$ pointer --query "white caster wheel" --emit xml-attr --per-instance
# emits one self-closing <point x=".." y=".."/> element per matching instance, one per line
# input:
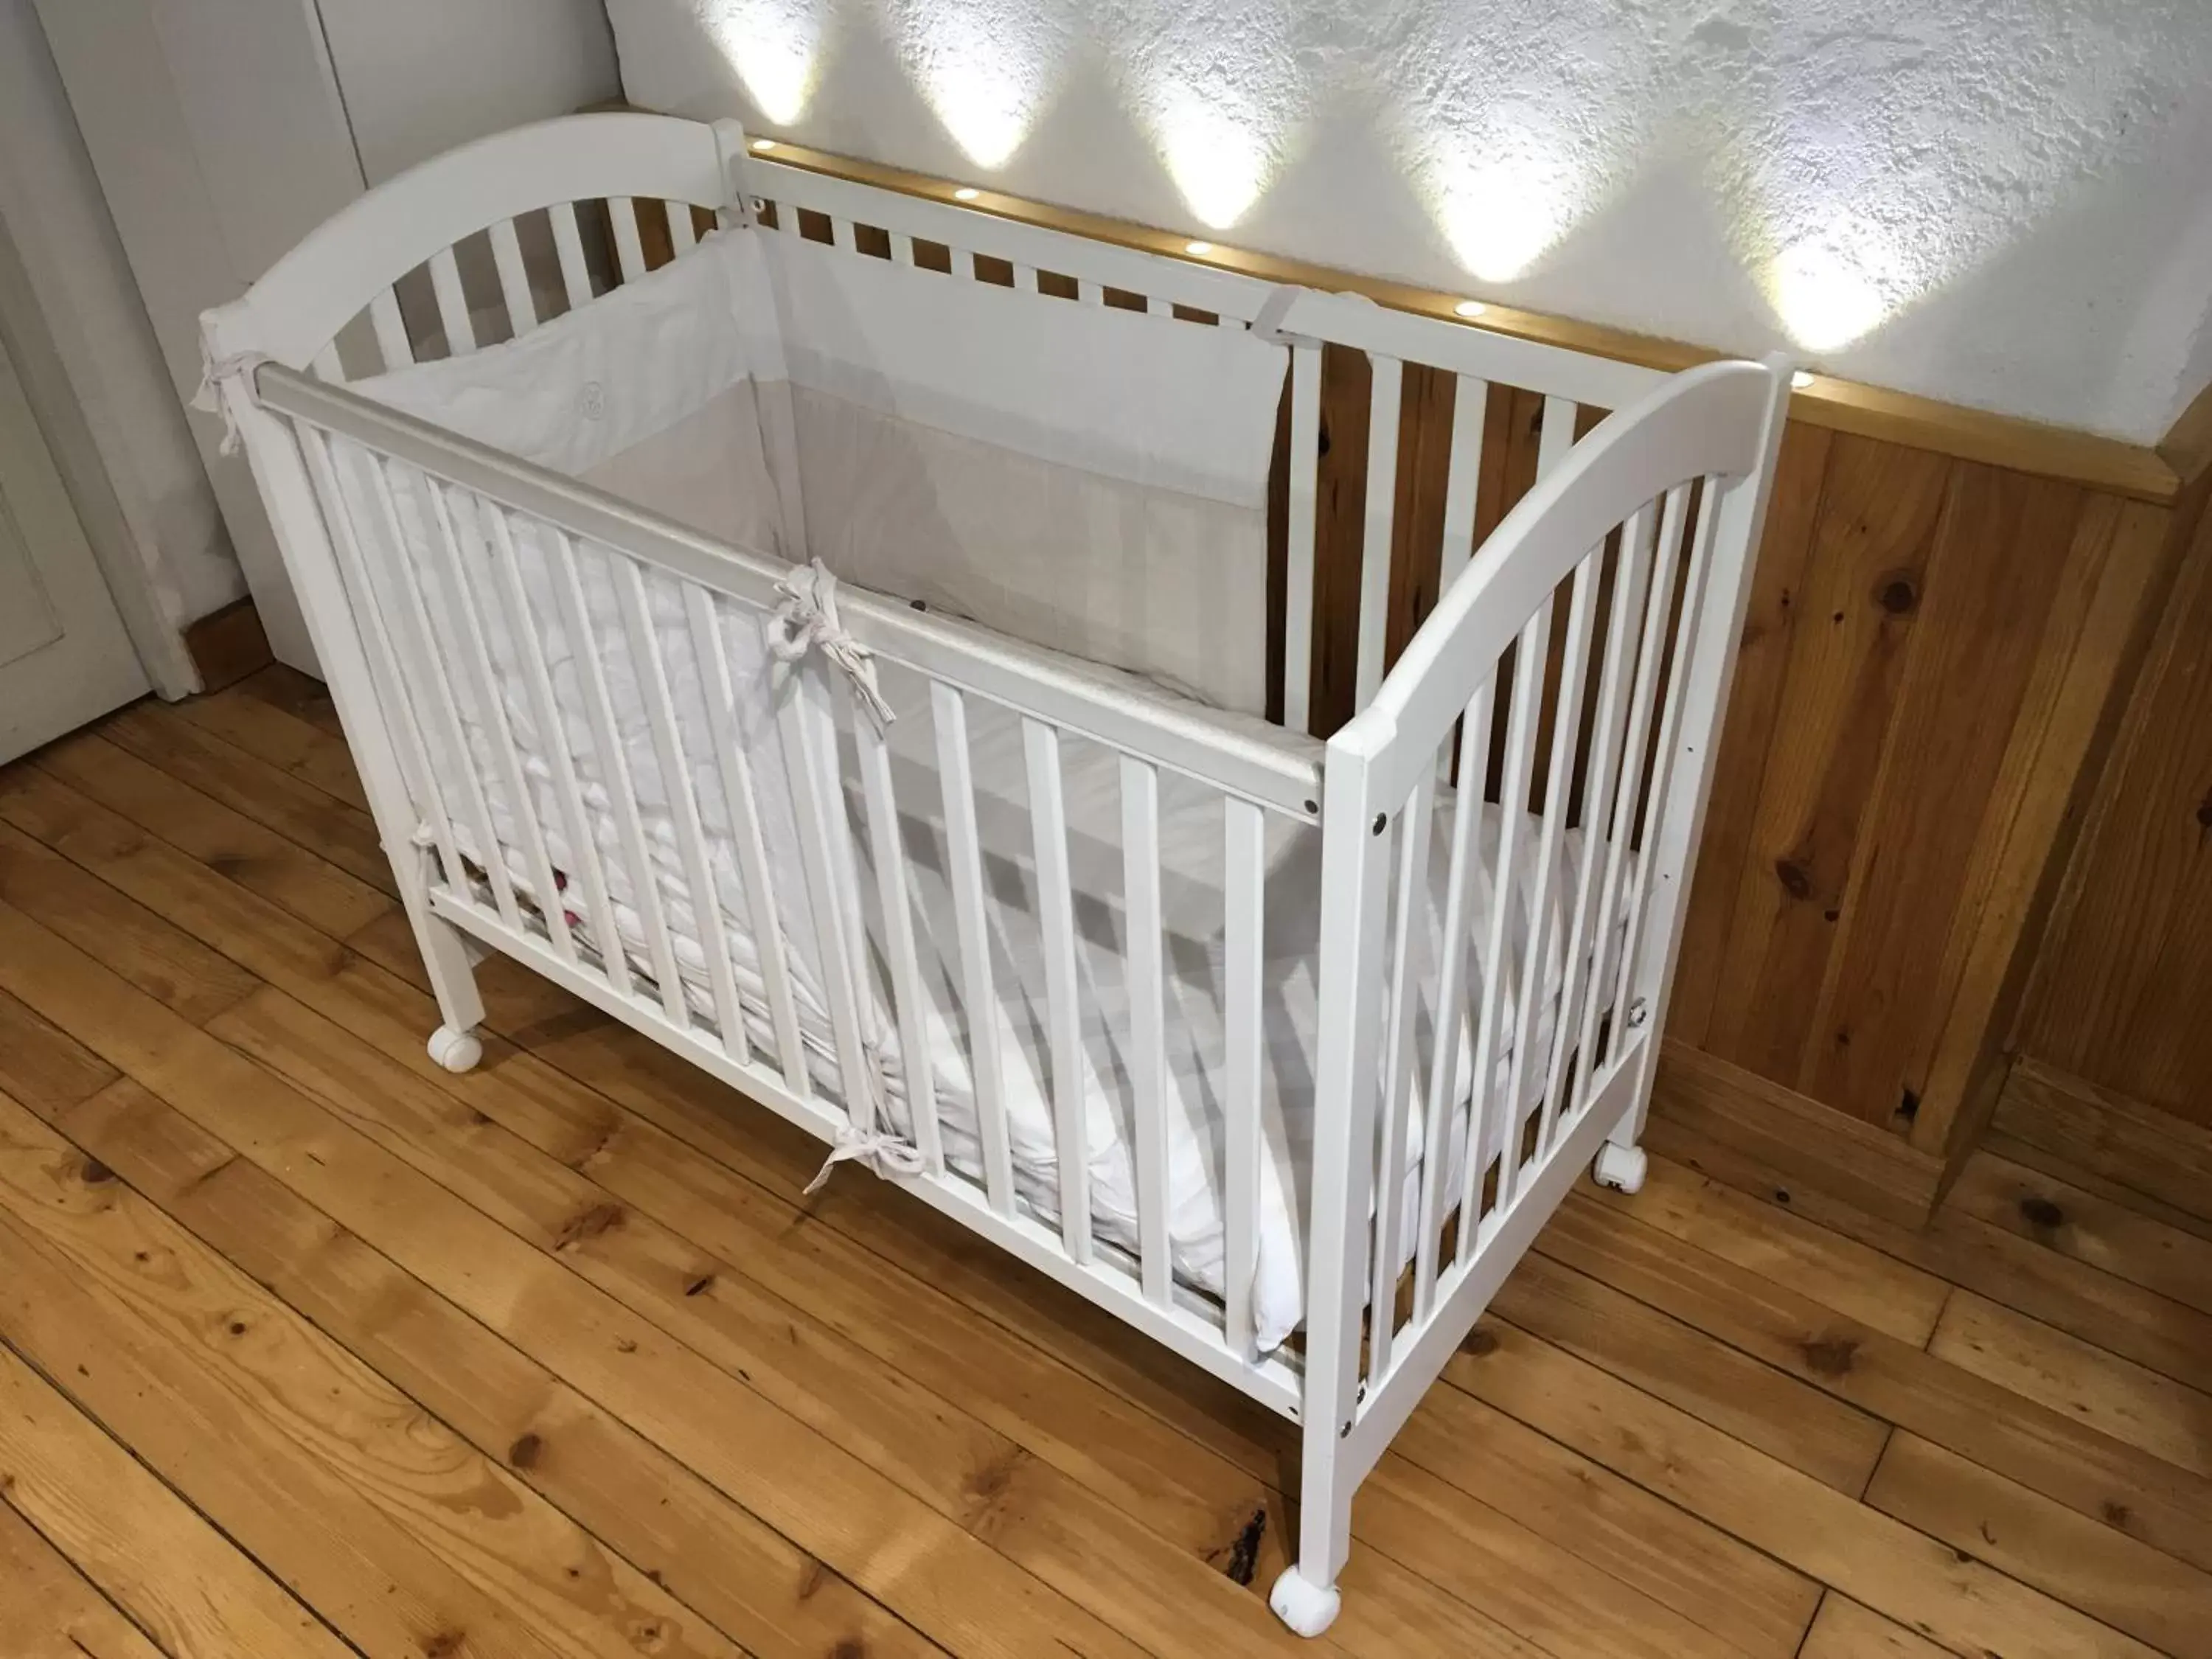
<point x="1620" y="1168"/>
<point x="1306" y="1607"/>
<point x="457" y="1051"/>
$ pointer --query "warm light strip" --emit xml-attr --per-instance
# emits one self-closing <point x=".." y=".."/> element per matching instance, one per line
<point x="2088" y="458"/>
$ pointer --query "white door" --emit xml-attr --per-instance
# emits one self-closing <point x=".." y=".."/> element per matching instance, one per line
<point x="64" y="658"/>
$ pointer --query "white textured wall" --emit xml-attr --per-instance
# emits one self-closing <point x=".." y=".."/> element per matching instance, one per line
<point x="2003" y="202"/>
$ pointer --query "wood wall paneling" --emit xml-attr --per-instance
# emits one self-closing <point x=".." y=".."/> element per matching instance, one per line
<point x="2125" y="973"/>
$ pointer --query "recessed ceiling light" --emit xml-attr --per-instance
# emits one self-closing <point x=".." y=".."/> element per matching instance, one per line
<point x="966" y="193"/>
<point x="1801" y="380"/>
<point x="764" y="143"/>
<point x="1470" y="308"/>
<point x="1197" y="247"/>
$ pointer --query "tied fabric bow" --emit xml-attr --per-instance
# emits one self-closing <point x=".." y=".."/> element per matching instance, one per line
<point x="208" y="399"/>
<point x="808" y="619"/>
<point x="882" y="1151"/>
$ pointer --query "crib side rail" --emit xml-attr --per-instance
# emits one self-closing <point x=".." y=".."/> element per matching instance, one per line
<point x="1567" y="691"/>
<point x="462" y="597"/>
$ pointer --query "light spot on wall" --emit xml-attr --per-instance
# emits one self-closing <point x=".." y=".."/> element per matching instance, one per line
<point x="775" y="46"/>
<point x="1218" y="90"/>
<point x="1829" y="287"/>
<point x="987" y="68"/>
<point x="1514" y="123"/>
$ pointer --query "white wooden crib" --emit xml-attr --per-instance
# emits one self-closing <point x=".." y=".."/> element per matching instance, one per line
<point x="476" y="616"/>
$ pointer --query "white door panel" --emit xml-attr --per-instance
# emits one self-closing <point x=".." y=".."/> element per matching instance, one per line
<point x="64" y="658"/>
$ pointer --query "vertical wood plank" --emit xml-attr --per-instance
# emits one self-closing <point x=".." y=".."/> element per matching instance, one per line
<point x="1386" y="382"/>
<point x="1995" y="567"/>
<point x="1298" y="564"/>
<point x="1776" y="616"/>
<point x="1878" y="512"/>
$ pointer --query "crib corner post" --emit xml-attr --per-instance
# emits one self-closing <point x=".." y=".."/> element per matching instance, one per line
<point x="1355" y="864"/>
<point x="297" y="515"/>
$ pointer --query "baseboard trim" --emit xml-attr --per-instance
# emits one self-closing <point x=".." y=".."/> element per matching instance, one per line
<point x="227" y="645"/>
<point x="1778" y="1139"/>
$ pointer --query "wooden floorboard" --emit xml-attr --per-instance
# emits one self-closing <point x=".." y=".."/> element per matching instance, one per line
<point x="1708" y="1419"/>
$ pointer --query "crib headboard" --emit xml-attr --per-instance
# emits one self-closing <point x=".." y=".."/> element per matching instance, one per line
<point x="468" y="208"/>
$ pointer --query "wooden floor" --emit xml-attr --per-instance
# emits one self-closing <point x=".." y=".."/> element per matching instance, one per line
<point x="307" y="1348"/>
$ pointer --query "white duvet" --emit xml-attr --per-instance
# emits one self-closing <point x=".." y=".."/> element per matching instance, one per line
<point x="653" y="391"/>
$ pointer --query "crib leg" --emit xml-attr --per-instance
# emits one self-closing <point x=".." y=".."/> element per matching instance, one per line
<point x="1621" y="1162"/>
<point x="448" y="959"/>
<point x="1305" y="1597"/>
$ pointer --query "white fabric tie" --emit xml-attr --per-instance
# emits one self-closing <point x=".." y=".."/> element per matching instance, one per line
<point x="208" y="399"/>
<point x="808" y="618"/>
<point x="881" y="1151"/>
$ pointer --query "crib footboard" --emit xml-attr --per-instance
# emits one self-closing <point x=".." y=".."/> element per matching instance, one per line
<point x="1574" y="677"/>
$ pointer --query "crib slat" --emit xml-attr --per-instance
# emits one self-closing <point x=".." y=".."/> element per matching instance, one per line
<point x="1501" y="972"/>
<point x="569" y="247"/>
<point x="786" y="218"/>
<point x="553" y="743"/>
<point x="1556" y="435"/>
<point x="731" y="759"/>
<point x="1025" y="278"/>
<point x="902" y="248"/>
<point x="1586" y="942"/>
<point x="1090" y="293"/>
<point x="964" y="262"/>
<point x="840" y="233"/>
<point x="462" y="605"/>
<point x="373" y="608"/>
<point x="586" y="648"/>
<point x="1148" y="1056"/>
<point x="426" y="676"/>
<point x="840" y="711"/>
<point x="888" y="848"/>
<point x="1244" y="872"/>
<point x="949" y="711"/>
<point x="390" y="329"/>
<point x="1658" y="593"/>
<point x="629" y="252"/>
<point x="1298" y="576"/>
<point x="1527" y="1064"/>
<point x="1056" y="913"/>
<point x="808" y="725"/>
<point x="1408" y="969"/>
<point x="683" y="234"/>
<point x="514" y="279"/>
<point x="1701" y="542"/>
<point x="327" y="366"/>
<point x="452" y="304"/>
<point x="1157" y="307"/>
<point x="1470" y="407"/>
<point x="652" y="671"/>
<point x="1375" y="549"/>
<point x="1451" y="998"/>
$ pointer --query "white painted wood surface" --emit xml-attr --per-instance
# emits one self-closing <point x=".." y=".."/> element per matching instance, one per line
<point x="1372" y="789"/>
